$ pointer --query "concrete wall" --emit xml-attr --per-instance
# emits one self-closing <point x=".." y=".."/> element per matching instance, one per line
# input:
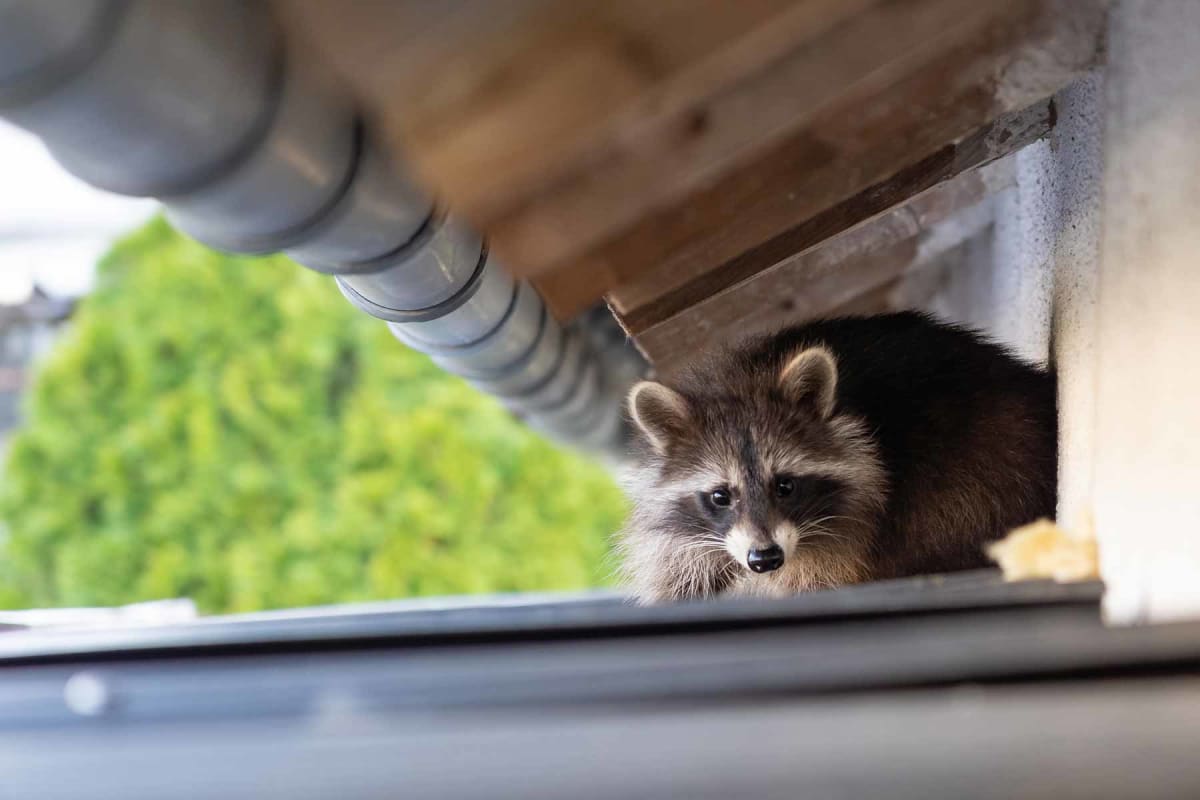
<point x="1146" y="492"/>
<point x="1046" y="257"/>
<point x="1093" y="264"/>
<point x="1030" y="282"/>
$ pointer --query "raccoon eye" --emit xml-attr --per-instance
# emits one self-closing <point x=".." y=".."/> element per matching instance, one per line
<point x="784" y="486"/>
<point x="721" y="498"/>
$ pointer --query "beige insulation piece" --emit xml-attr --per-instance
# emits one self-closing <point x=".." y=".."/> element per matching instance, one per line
<point x="1044" y="550"/>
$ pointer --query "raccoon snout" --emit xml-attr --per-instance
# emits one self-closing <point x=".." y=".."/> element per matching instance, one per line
<point x="766" y="559"/>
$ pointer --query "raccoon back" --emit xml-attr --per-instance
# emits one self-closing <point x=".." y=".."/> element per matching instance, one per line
<point x="967" y="432"/>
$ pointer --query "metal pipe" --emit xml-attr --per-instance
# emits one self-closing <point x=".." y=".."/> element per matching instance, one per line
<point x="252" y="149"/>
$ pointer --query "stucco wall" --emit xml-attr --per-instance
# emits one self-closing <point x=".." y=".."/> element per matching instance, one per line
<point x="1093" y="262"/>
<point x="1146" y="492"/>
<point x="1031" y="280"/>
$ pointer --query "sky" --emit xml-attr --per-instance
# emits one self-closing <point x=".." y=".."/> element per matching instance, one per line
<point x="53" y="227"/>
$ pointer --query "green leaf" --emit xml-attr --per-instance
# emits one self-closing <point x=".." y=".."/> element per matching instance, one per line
<point x="231" y="430"/>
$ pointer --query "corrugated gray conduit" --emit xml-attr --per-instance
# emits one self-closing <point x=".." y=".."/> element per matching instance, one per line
<point x="253" y="150"/>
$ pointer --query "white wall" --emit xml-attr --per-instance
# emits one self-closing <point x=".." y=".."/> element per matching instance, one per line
<point x="1093" y="262"/>
<point x="1146" y="492"/>
<point x="1031" y="281"/>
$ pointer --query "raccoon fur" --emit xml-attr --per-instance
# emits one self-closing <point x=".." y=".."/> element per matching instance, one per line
<point x="839" y="451"/>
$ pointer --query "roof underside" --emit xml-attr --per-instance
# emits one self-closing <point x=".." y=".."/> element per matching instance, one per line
<point x="703" y="165"/>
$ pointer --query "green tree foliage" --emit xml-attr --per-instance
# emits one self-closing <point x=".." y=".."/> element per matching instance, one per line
<point x="230" y="430"/>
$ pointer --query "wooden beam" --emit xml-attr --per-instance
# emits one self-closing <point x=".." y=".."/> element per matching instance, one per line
<point x="607" y="135"/>
<point x="497" y="102"/>
<point x="834" y="276"/>
<point x="658" y="297"/>
<point x="876" y="301"/>
<point x="852" y="146"/>
<point x="698" y="128"/>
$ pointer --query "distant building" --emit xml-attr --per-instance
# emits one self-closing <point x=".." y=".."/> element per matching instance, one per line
<point x="27" y="330"/>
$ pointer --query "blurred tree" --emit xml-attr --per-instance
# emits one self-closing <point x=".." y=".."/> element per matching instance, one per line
<point x="230" y="430"/>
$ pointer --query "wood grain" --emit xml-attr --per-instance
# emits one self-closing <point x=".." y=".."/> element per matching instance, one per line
<point x="496" y="101"/>
<point x="848" y="273"/>
<point x="997" y="139"/>
<point x="639" y="149"/>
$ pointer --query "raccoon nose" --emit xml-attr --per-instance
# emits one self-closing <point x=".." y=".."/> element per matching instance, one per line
<point x="765" y="559"/>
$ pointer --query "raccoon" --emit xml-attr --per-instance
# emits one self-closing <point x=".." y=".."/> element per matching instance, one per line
<point x="840" y="451"/>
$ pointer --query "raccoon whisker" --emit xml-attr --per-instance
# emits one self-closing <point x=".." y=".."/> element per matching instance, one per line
<point x="709" y="536"/>
<point x="823" y="520"/>
<point x="817" y="527"/>
<point x="706" y="549"/>
<point x="837" y="539"/>
<point x="812" y="534"/>
<point x="713" y="531"/>
<point x="805" y="530"/>
<point x="705" y="541"/>
<point x="816" y="524"/>
<point x="699" y="542"/>
<point x="697" y="545"/>
<point x="701" y="546"/>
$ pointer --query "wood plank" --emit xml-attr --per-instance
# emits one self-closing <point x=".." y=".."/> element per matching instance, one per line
<point x="659" y="303"/>
<point x="615" y="139"/>
<point x="557" y="125"/>
<point x="737" y="251"/>
<point x="701" y="126"/>
<point x="835" y="276"/>
<point x="493" y="101"/>
<point x="873" y="134"/>
<point x="875" y="301"/>
<point x="760" y="303"/>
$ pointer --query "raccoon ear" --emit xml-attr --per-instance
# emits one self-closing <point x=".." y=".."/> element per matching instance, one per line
<point x="659" y="412"/>
<point x="811" y="376"/>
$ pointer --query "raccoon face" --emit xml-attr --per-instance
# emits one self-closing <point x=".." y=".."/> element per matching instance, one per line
<point x="760" y="488"/>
